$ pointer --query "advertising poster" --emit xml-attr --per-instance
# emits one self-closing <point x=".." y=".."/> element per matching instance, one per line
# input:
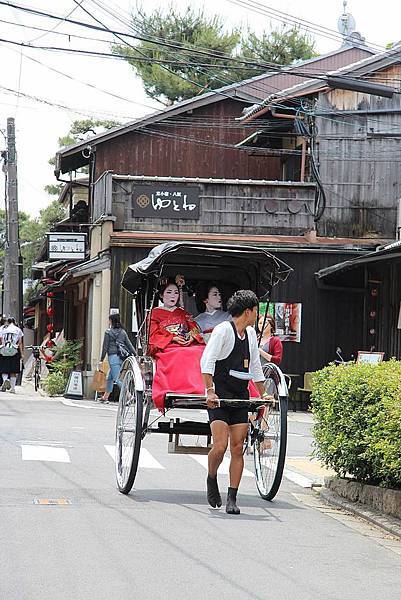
<point x="288" y="319"/>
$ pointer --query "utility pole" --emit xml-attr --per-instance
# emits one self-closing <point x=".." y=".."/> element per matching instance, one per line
<point x="12" y="263"/>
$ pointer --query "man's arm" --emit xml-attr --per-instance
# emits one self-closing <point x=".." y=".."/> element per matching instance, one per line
<point x="216" y="349"/>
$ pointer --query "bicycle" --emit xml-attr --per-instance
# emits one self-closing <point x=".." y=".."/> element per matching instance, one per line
<point x="38" y="365"/>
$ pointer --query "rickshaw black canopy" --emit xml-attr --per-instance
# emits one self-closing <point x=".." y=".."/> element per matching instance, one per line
<point x="246" y="267"/>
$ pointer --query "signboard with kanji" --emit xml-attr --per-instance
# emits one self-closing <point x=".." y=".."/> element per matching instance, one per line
<point x="165" y="201"/>
<point x="66" y="246"/>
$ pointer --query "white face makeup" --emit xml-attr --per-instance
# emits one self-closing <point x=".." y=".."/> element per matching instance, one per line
<point x="170" y="296"/>
<point x="213" y="301"/>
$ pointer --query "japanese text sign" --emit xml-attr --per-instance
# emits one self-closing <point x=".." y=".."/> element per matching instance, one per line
<point x="165" y="201"/>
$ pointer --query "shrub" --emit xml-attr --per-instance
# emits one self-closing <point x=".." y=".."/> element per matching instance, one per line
<point x="55" y="383"/>
<point x="67" y="356"/>
<point x="358" y="421"/>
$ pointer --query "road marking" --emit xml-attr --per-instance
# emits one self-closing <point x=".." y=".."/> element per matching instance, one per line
<point x="45" y="453"/>
<point x="146" y="460"/>
<point x="223" y="469"/>
<point x="52" y="501"/>
<point x="297" y="478"/>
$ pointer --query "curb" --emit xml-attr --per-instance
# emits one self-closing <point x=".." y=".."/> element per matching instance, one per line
<point x="389" y="524"/>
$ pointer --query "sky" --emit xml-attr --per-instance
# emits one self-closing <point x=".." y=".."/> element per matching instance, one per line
<point x="39" y="124"/>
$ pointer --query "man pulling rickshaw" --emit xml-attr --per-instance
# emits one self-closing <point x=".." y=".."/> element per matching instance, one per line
<point x="229" y="362"/>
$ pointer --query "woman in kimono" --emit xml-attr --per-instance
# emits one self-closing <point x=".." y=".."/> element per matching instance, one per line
<point x="176" y="343"/>
<point x="210" y="305"/>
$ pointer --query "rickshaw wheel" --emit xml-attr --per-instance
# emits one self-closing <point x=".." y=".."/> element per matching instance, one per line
<point x="128" y="433"/>
<point x="270" y="448"/>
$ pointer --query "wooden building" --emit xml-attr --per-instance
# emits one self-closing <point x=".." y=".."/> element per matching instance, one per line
<point x="374" y="281"/>
<point x="198" y="137"/>
<point x="140" y="174"/>
<point x="354" y="139"/>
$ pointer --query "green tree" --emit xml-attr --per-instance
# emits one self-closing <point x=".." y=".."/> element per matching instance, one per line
<point x="279" y="46"/>
<point x="80" y="130"/>
<point x="177" y="74"/>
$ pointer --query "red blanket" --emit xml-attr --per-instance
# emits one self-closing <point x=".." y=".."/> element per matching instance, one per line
<point x="177" y="370"/>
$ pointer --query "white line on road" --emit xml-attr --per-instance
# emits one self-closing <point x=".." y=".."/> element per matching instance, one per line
<point x="223" y="469"/>
<point x="146" y="460"/>
<point x="297" y="478"/>
<point x="44" y="453"/>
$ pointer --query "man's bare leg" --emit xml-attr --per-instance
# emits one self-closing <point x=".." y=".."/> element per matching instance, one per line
<point x="220" y="441"/>
<point x="238" y="434"/>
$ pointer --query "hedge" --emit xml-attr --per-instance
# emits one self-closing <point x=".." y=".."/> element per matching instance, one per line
<point x="357" y="430"/>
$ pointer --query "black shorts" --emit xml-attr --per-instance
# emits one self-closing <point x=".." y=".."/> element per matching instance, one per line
<point x="228" y="414"/>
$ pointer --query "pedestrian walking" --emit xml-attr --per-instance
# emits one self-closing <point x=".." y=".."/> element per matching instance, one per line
<point x="117" y="347"/>
<point x="230" y="361"/>
<point x="271" y="347"/>
<point x="11" y="351"/>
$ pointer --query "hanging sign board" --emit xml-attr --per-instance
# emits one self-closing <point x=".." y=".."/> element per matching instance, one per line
<point x="74" y="388"/>
<point x="165" y="201"/>
<point x="66" y="246"/>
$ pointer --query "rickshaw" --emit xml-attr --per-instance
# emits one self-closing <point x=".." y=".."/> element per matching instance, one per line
<point x="236" y="267"/>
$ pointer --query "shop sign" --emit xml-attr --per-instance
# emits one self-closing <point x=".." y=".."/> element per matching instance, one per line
<point x="66" y="246"/>
<point x="74" y="388"/>
<point x="165" y="202"/>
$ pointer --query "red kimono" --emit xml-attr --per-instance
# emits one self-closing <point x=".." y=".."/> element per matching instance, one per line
<point x="177" y="367"/>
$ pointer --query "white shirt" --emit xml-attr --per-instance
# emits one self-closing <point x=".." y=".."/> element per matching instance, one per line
<point x="11" y="333"/>
<point x="221" y="344"/>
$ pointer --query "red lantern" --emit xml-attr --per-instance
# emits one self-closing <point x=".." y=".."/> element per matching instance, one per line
<point x="50" y="311"/>
<point x="50" y="327"/>
<point x="50" y="294"/>
<point x="50" y="344"/>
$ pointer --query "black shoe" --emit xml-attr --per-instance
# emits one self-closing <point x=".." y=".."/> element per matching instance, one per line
<point x="231" y="506"/>
<point x="213" y="494"/>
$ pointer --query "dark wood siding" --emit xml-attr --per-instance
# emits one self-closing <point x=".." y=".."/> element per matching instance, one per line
<point x="195" y="144"/>
<point x="386" y="279"/>
<point x="225" y="207"/>
<point x="329" y="318"/>
<point x="359" y="154"/>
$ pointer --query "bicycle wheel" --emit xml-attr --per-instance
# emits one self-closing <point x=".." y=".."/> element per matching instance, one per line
<point x="270" y="448"/>
<point x="128" y="433"/>
<point x="36" y="379"/>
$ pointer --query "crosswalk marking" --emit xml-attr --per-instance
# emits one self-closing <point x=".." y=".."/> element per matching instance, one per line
<point x="146" y="460"/>
<point x="223" y="469"/>
<point x="44" y="453"/>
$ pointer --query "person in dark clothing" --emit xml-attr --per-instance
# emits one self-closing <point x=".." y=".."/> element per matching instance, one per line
<point x="230" y="360"/>
<point x="113" y="337"/>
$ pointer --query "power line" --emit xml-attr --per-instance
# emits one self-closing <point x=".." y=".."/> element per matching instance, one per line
<point x="58" y="105"/>
<point x="215" y="55"/>
<point x="286" y="18"/>
<point x="86" y="83"/>
<point x="57" y="24"/>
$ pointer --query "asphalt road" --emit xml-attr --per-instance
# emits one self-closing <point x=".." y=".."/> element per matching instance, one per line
<point x="66" y="533"/>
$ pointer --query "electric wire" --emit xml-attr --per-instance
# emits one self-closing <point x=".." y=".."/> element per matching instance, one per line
<point x="286" y="18"/>
<point x="57" y="24"/>
<point x="216" y="55"/>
